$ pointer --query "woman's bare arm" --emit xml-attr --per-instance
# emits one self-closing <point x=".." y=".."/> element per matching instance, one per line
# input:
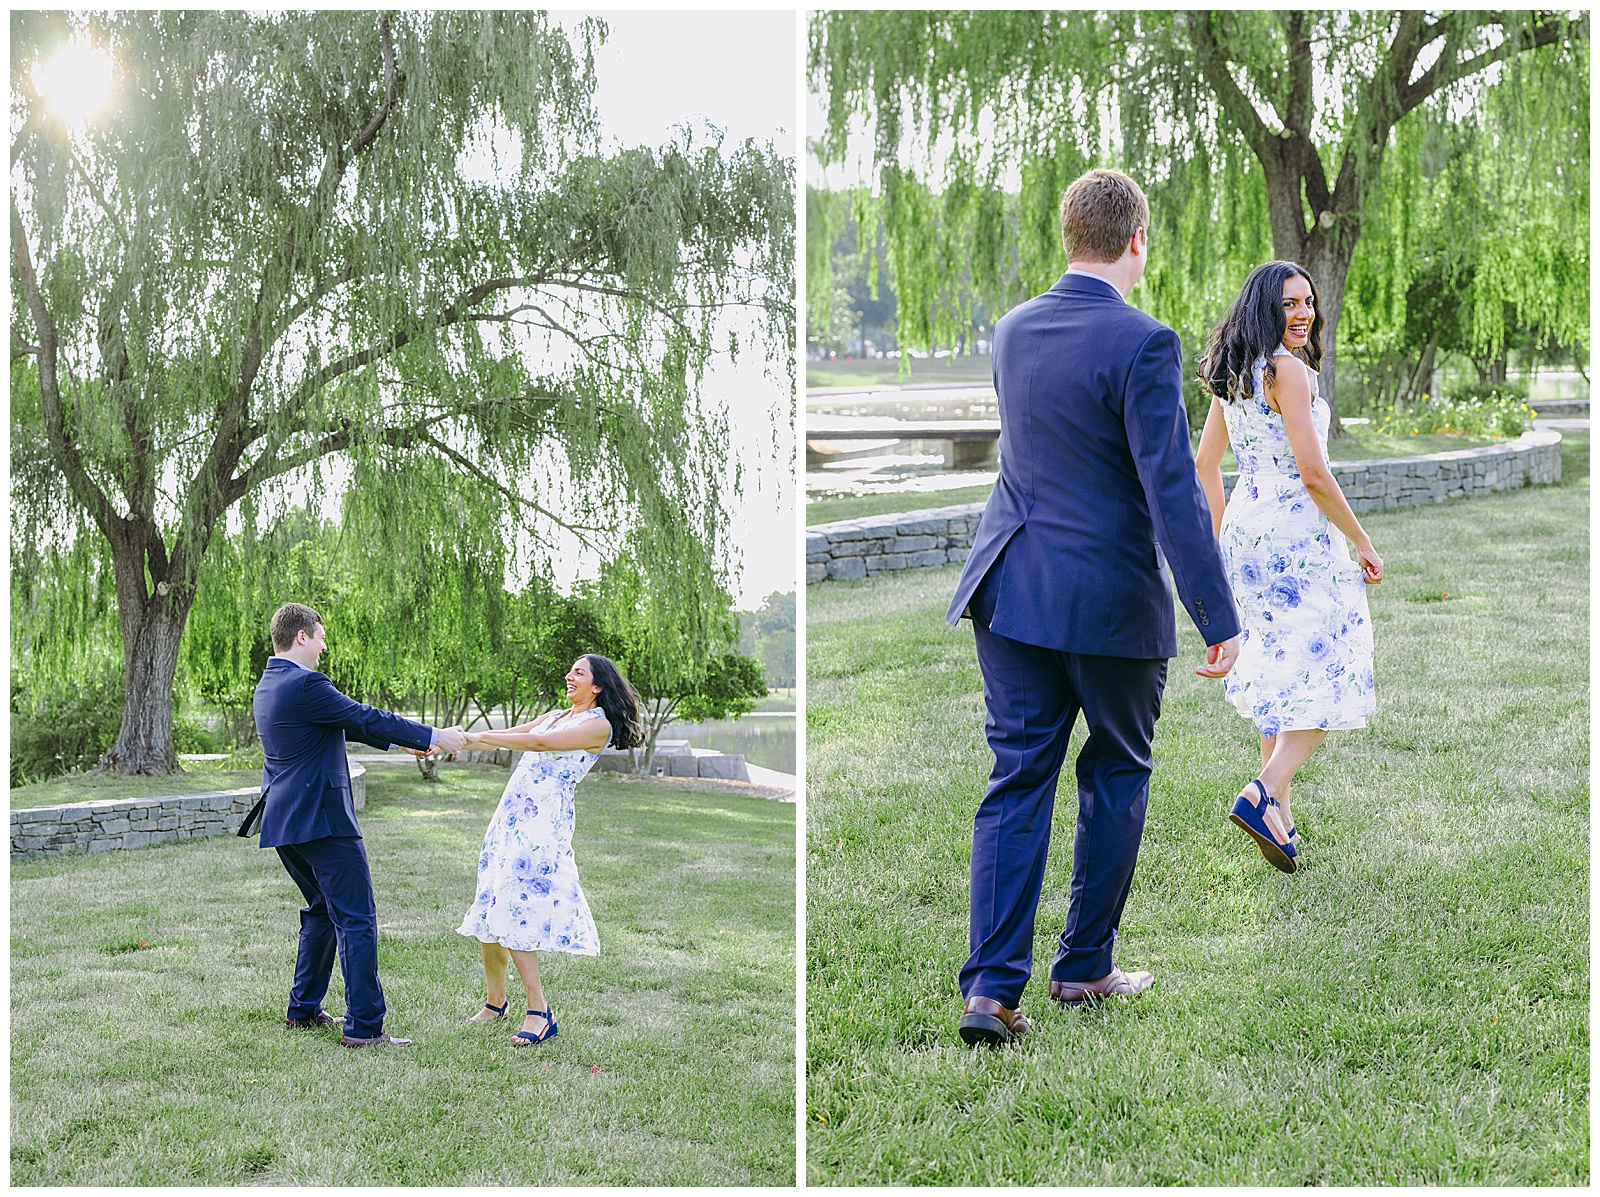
<point x="1208" y="462"/>
<point x="591" y="735"/>
<point x="1290" y="393"/>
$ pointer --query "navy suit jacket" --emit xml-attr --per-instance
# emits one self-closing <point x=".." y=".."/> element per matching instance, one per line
<point x="302" y="721"/>
<point x="1095" y="472"/>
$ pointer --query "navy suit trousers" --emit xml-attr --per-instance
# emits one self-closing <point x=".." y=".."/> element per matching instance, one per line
<point x="1034" y="696"/>
<point x="340" y="911"/>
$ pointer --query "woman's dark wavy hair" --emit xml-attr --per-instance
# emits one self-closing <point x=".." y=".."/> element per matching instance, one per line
<point x="618" y="700"/>
<point x="1254" y="328"/>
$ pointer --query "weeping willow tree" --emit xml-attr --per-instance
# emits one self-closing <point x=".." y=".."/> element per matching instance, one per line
<point x="1254" y="134"/>
<point x="297" y="248"/>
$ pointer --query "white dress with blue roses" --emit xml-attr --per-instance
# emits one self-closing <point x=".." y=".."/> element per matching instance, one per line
<point x="528" y="894"/>
<point x="1305" y="652"/>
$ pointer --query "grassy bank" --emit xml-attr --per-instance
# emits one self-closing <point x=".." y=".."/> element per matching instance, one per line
<point x="1412" y="1007"/>
<point x="148" y="991"/>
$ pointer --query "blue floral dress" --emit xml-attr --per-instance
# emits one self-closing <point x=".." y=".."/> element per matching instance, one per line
<point x="1305" y="652"/>
<point x="528" y="894"/>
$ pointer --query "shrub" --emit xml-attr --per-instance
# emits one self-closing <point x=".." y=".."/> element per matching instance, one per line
<point x="56" y="733"/>
<point x="1495" y="409"/>
<point x="53" y="734"/>
<point x="191" y="735"/>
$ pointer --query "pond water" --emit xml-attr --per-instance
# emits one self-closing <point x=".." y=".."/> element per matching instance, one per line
<point x="890" y="466"/>
<point x="765" y="738"/>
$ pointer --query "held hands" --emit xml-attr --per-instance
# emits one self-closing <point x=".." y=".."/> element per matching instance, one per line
<point x="449" y="739"/>
<point x="1371" y="564"/>
<point x="1220" y="658"/>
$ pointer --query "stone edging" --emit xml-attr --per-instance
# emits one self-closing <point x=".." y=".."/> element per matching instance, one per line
<point x="110" y="825"/>
<point x="876" y="544"/>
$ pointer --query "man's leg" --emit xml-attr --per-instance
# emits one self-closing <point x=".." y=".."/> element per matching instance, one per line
<point x="340" y="865"/>
<point x="1121" y="700"/>
<point x="314" y="962"/>
<point x="1031" y="711"/>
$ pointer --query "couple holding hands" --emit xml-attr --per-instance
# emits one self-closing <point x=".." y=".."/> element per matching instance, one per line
<point x="1099" y="508"/>
<point x="528" y="898"/>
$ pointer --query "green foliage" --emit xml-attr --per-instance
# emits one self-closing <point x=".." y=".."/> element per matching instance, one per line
<point x="728" y="686"/>
<point x="769" y="636"/>
<point x="301" y="248"/>
<point x="1493" y="409"/>
<point x="653" y="639"/>
<point x="63" y="730"/>
<point x="1371" y="163"/>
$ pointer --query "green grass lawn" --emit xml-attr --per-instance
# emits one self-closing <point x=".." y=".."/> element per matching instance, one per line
<point x="954" y="371"/>
<point x="148" y="991"/>
<point x="1410" y="1008"/>
<point x="1357" y="444"/>
<point x="101" y="787"/>
<point x="825" y="511"/>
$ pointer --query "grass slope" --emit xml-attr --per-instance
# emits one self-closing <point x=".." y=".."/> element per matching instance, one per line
<point x="148" y="991"/>
<point x="1410" y="1008"/>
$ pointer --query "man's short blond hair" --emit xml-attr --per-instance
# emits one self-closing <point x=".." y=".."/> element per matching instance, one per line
<point x="289" y="621"/>
<point x="1099" y="215"/>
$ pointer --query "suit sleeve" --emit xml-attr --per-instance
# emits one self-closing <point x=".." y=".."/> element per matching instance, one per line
<point x="323" y="704"/>
<point x="1158" y="435"/>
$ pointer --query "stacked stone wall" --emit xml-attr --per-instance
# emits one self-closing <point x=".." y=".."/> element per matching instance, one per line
<point x="877" y="544"/>
<point x="105" y="826"/>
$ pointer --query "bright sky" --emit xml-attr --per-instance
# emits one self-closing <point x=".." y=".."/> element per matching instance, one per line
<point x="735" y="70"/>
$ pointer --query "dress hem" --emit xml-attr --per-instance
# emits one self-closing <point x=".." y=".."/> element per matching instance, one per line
<point x="537" y="947"/>
<point x="1359" y="723"/>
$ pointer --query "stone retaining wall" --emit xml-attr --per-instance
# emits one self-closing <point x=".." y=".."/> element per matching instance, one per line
<point x="877" y="544"/>
<point x="106" y="826"/>
<point x="1560" y="408"/>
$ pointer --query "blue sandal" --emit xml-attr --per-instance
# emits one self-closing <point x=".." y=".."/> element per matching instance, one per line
<point x="527" y="1038"/>
<point x="1251" y="819"/>
<point x="499" y="1013"/>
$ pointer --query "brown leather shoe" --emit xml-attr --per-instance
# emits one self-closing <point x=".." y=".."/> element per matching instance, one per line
<point x="1116" y="983"/>
<point x="320" y="1019"/>
<point x="383" y="1038"/>
<point x="987" y="1021"/>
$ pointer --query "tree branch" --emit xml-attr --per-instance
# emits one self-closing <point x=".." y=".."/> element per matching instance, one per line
<point x="1447" y="69"/>
<point x="1214" y="66"/>
<point x="61" y="445"/>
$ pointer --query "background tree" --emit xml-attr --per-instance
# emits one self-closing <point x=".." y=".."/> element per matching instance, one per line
<point x="649" y="635"/>
<point x="298" y="246"/>
<point x="768" y="635"/>
<point x="1255" y="134"/>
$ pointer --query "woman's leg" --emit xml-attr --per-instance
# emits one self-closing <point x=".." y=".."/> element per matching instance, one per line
<point x="1290" y="750"/>
<point x="528" y="968"/>
<point x="1267" y="744"/>
<point x="495" y="959"/>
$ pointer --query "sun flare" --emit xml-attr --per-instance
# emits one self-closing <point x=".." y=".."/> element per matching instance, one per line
<point x="75" y="81"/>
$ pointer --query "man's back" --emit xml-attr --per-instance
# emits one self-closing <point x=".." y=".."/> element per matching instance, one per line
<point x="305" y="775"/>
<point x="1093" y="437"/>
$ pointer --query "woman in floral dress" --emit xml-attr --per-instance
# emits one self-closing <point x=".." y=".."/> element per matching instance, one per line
<point x="1305" y="654"/>
<point x="528" y="897"/>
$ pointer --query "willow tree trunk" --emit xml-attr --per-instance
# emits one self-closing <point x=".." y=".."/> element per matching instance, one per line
<point x="1329" y="268"/>
<point x="152" y="628"/>
<point x="1325" y="249"/>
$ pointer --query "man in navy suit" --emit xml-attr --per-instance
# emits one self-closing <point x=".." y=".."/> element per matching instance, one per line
<point x="307" y="815"/>
<point x="1067" y="586"/>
